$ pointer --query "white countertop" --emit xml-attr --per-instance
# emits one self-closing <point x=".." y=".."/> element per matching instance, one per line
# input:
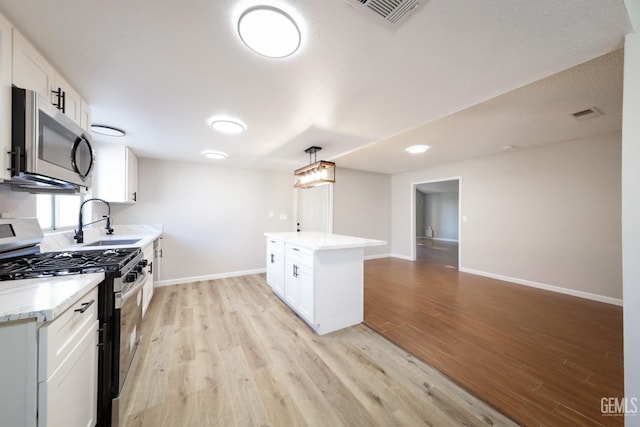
<point x="324" y="241"/>
<point x="63" y="241"/>
<point x="43" y="298"/>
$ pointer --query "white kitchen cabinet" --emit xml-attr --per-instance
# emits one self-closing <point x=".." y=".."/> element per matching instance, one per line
<point x="147" y="289"/>
<point x="275" y="266"/>
<point x="6" y="61"/>
<point x="30" y="69"/>
<point x="72" y="99"/>
<point x="85" y="115"/>
<point x="116" y="173"/>
<point x="50" y="376"/>
<point x="323" y="278"/>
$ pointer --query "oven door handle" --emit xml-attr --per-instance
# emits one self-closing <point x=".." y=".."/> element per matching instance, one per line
<point x="127" y="293"/>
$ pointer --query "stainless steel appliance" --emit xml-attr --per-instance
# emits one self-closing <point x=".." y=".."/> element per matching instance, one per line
<point x="119" y="301"/>
<point x="49" y="151"/>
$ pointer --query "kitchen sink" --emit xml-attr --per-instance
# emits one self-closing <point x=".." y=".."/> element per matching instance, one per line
<point x="113" y="242"/>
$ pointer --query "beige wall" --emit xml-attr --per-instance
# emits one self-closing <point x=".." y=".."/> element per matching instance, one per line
<point x="214" y="217"/>
<point x="549" y="215"/>
<point x="361" y="207"/>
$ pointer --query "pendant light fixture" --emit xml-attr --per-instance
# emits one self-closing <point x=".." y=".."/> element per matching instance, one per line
<point x="316" y="173"/>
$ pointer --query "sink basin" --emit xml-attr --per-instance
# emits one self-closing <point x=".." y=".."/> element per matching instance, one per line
<point x="113" y="242"/>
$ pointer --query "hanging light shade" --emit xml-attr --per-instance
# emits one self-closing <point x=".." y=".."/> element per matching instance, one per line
<point x="317" y="173"/>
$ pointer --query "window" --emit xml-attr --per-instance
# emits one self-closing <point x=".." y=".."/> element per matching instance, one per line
<point x="56" y="212"/>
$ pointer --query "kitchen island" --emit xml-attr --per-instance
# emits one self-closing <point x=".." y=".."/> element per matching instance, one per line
<point x="320" y="276"/>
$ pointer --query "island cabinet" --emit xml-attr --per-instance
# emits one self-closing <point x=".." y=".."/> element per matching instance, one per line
<point x="320" y="276"/>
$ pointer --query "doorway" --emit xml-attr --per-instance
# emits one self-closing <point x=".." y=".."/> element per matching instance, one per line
<point x="436" y="223"/>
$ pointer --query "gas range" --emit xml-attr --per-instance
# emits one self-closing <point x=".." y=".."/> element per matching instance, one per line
<point x="111" y="261"/>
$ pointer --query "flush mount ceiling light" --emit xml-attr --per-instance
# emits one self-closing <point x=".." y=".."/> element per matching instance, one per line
<point x="317" y="173"/>
<point x="417" y="149"/>
<point x="269" y="32"/>
<point x="107" y="130"/>
<point x="227" y="126"/>
<point x="215" y="155"/>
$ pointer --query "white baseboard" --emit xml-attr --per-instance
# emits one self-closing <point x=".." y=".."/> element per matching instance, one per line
<point x="405" y="257"/>
<point x="208" y="277"/>
<point x="546" y="287"/>
<point x="377" y="256"/>
<point x="445" y="240"/>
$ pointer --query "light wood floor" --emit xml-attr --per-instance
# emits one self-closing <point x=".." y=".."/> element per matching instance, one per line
<point x="540" y="357"/>
<point x="229" y="353"/>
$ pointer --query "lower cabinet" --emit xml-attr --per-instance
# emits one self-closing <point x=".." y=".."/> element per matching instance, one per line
<point x="50" y="376"/>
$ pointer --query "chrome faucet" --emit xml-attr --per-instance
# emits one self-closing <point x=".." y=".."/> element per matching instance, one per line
<point x="79" y="236"/>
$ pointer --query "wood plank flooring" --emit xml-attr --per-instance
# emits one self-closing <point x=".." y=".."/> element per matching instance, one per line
<point x="540" y="357"/>
<point x="228" y="352"/>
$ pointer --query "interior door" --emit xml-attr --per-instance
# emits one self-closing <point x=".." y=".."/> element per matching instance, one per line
<point x="314" y="209"/>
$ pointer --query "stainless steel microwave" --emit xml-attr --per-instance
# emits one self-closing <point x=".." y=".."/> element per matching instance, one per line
<point x="50" y="152"/>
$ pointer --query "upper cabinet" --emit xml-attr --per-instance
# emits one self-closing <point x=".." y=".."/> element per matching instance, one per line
<point x="115" y="178"/>
<point x="32" y="71"/>
<point x="5" y="97"/>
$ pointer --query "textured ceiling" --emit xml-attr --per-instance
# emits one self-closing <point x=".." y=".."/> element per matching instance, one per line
<point x="161" y="69"/>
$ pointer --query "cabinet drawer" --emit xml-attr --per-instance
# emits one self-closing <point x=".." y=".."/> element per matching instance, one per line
<point x="300" y="255"/>
<point x="59" y="338"/>
<point x="275" y="245"/>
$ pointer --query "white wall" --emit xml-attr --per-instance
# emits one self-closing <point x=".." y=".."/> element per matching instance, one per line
<point x="361" y="206"/>
<point x="441" y="214"/>
<point x="16" y="204"/>
<point x="549" y="215"/>
<point x="631" y="217"/>
<point x="214" y="217"/>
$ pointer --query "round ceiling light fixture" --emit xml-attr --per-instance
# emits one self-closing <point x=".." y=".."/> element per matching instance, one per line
<point x="215" y="155"/>
<point x="107" y="130"/>
<point x="227" y="126"/>
<point x="269" y="32"/>
<point x="417" y="149"/>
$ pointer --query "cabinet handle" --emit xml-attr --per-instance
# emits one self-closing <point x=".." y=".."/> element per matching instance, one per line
<point x="151" y="268"/>
<point x="295" y="270"/>
<point x="135" y="196"/>
<point x="272" y="259"/>
<point x="296" y="249"/>
<point x="85" y="306"/>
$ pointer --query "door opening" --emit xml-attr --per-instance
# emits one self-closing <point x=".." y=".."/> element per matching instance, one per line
<point x="436" y="223"/>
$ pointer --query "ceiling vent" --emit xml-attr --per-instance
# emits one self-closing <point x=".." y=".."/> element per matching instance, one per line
<point x="588" y="114"/>
<point x="390" y="12"/>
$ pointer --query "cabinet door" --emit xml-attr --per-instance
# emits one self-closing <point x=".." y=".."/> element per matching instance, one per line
<point x="69" y="397"/>
<point x="291" y="284"/>
<point x="275" y="272"/>
<point x="72" y="99"/>
<point x="85" y="115"/>
<point x="132" y="176"/>
<point x="306" y="298"/>
<point x="116" y="174"/>
<point x="5" y="97"/>
<point x="30" y="69"/>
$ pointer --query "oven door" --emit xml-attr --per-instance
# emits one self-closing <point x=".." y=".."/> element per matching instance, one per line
<point x="128" y="310"/>
<point x="127" y="320"/>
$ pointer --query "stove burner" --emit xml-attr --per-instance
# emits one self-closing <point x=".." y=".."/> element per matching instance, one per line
<point x="48" y="264"/>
